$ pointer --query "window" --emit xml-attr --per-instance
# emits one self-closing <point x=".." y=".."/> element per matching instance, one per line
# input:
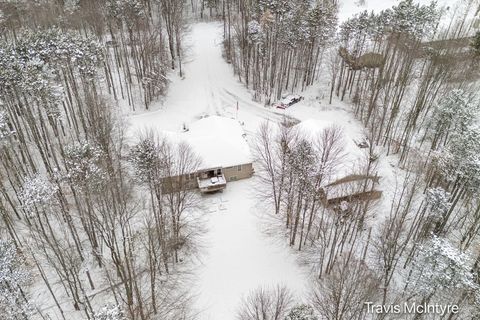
<point x="239" y="168"/>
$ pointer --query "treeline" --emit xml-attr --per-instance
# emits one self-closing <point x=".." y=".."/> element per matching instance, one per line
<point x="276" y="46"/>
<point x="417" y="244"/>
<point x="412" y="83"/>
<point x="74" y="217"/>
<point x="139" y="40"/>
<point x="420" y="102"/>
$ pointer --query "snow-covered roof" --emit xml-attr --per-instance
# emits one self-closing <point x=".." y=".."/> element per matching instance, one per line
<point x="219" y="141"/>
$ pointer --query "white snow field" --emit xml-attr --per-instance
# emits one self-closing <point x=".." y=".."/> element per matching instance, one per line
<point x="208" y="87"/>
<point x="238" y="256"/>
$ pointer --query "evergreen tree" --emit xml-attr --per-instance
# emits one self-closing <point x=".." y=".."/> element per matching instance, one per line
<point x="13" y="281"/>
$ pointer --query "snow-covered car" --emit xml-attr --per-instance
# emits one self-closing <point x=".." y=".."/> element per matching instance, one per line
<point x="287" y="101"/>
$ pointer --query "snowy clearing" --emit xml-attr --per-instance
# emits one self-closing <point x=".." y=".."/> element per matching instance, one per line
<point x="239" y="160"/>
<point x="209" y="88"/>
<point x="239" y="256"/>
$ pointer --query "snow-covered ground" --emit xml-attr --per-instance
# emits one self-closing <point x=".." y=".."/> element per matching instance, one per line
<point x="238" y="257"/>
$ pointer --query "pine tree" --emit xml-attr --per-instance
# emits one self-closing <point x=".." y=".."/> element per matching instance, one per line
<point x="14" y="280"/>
<point x="440" y="269"/>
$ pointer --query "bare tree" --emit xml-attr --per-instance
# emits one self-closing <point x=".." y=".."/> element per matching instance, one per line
<point x="395" y="233"/>
<point x="343" y="293"/>
<point x="271" y="149"/>
<point x="266" y="304"/>
<point x="333" y="68"/>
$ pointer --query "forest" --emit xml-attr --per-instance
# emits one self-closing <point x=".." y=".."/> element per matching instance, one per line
<point x="94" y="227"/>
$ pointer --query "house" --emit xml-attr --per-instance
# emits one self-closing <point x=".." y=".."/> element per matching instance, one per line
<point x="221" y="144"/>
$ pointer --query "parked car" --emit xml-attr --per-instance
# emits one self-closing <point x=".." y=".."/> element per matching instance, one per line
<point x="287" y="101"/>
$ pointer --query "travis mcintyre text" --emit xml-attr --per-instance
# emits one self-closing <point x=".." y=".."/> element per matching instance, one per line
<point x="412" y="307"/>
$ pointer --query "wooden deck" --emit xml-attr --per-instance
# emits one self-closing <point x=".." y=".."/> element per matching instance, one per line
<point x="212" y="184"/>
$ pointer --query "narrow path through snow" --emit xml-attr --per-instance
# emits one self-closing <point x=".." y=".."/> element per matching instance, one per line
<point x="208" y="87"/>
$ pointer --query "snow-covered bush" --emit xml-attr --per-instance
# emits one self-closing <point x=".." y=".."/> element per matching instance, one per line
<point x="110" y="313"/>
<point x="83" y="163"/>
<point x="5" y="130"/>
<point x="38" y="191"/>
<point x="13" y="279"/>
<point x="301" y="312"/>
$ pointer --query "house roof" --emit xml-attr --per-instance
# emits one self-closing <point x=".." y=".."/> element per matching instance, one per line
<point x="218" y="141"/>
